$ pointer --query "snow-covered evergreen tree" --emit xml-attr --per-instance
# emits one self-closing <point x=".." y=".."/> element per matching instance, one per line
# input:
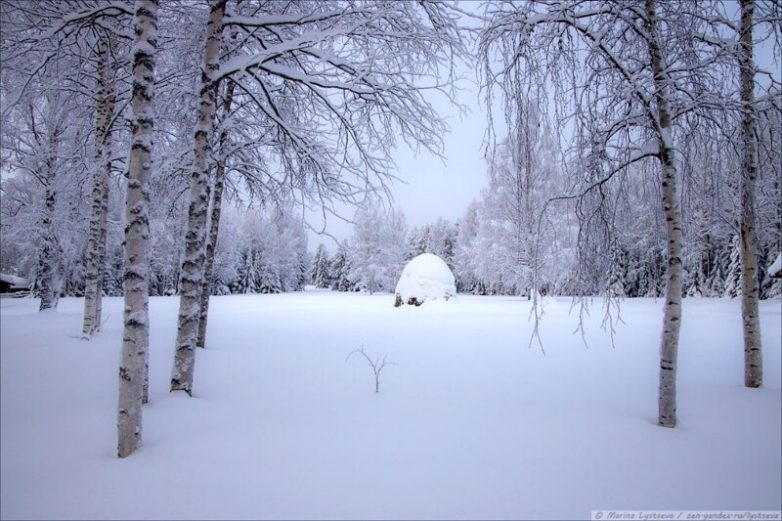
<point x="418" y="242"/>
<point x="617" y="272"/>
<point x="319" y="273"/>
<point x="732" y="285"/>
<point x="339" y="269"/>
<point x="266" y="253"/>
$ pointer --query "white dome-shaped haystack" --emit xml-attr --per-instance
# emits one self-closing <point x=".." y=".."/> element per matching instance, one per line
<point x="426" y="277"/>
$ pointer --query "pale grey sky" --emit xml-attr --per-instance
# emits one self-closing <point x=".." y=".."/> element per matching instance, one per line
<point x="432" y="187"/>
<point x="429" y="187"/>
<point x="444" y="189"/>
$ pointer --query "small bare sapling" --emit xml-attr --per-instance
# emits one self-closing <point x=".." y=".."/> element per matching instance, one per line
<point x="377" y="365"/>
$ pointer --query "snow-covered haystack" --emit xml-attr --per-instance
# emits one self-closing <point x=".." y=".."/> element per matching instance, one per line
<point x="426" y="277"/>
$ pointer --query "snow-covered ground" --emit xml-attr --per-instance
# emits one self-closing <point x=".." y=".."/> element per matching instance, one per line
<point x="470" y="423"/>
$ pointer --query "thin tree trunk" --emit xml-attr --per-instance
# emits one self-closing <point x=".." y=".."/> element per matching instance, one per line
<point x="753" y="361"/>
<point x="192" y="274"/>
<point x="135" y="339"/>
<point x="214" y="223"/>
<point x="102" y="255"/>
<point x="49" y="256"/>
<point x="45" y="285"/>
<point x="672" y="309"/>
<point x="96" y="242"/>
<point x="47" y="259"/>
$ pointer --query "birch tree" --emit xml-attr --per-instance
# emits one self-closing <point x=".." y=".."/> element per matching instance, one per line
<point x="618" y="68"/>
<point x="47" y="34"/>
<point x="135" y="341"/>
<point x="753" y="362"/>
<point x="214" y="220"/>
<point x="48" y="140"/>
<point x="192" y="274"/>
<point x="96" y="244"/>
<point x="41" y="195"/>
<point x="38" y="144"/>
<point x="337" y="83"/>
<point x="36" y="131"/>
<point x="733" y="44"/>
<point x="522" y="166"/>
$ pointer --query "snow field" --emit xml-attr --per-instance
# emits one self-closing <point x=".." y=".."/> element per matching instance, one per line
<point x="471" y="423"/>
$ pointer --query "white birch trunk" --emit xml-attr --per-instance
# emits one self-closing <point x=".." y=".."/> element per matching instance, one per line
<point x="46" y="285"/>
<point x="753" y="361"/>
<point x="214" y="223"/>
<point x="47" y="259"/>
<point x="96" y="242"/>
<point x="672" y="308"/>
<point x="192" y="274"/>
<point x="102" y="252"/>
<point x="136" y="332"/>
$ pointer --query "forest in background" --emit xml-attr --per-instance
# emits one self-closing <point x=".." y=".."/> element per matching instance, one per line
<point x="490" y="249"/>
<point x="611" y="242"/>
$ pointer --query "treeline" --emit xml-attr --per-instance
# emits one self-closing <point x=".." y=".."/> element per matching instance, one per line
<point x="258" y="251"/>
<point x="265" y="250"/>
<point x="506" y="244"/>
<point x="713" y="268"/>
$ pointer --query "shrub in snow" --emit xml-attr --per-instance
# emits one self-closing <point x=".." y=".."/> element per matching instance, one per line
<point x="426" y="277"/>
<point x="376" y="364"/>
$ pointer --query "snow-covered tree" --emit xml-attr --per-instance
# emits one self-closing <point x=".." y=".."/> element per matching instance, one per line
<point x="268" y="253"/>
<point x="625" y="101"/>
<point x="418" y="242"/>
<point x="84" y="41"/>
<point x="732" y="286"/>
<point x="320" y="276"/>
<point x="377" y="248"/>
<point x="329" y="78"/>
<point x="753" y="364"/>
<point x="339" y="269"/>
<point x="438" y="238"/>
<point x="41" y="155"/>
<point x="133" y="369"/>
<point x="214" y="217"/>
<point x="192" y="273"/>
<point x="465" y="269"/>
<point x="105" y="102"/>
